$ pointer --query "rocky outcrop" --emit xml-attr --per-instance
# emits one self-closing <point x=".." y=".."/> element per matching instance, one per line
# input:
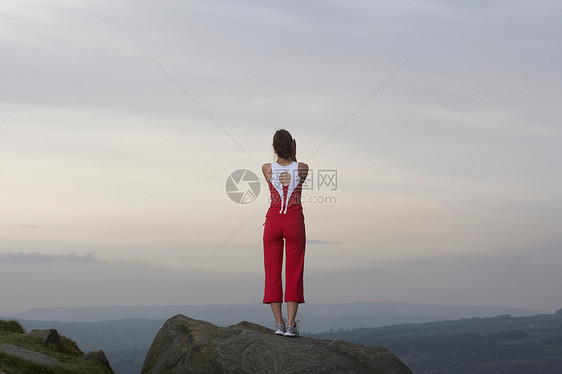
<point x="28" y="355"/>
<point x="187" y="346"/>
<point x="38" y="348"/>
<point x="99" y="357"/>
<point x="47" y="336"/>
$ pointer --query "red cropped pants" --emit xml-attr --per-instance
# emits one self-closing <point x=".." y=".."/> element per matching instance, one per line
<point x="288" y="233"/>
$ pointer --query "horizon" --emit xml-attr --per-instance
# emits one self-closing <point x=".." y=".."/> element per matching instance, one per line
<point x="375" y="308"/>
<point x="432" y="131"/>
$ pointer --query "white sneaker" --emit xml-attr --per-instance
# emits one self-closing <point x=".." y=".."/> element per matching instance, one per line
<point x="291" y="331"/>
<point x="280" y="329"/>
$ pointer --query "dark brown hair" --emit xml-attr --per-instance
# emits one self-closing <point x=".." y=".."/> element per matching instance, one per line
<point x="283" y="144"/>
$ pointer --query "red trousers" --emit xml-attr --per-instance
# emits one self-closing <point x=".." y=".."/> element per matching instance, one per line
<point x="275" y="230"/>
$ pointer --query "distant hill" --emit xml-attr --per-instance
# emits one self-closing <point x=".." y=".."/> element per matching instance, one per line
<point x="315" y="317"/>
<point x="502" y="344"/>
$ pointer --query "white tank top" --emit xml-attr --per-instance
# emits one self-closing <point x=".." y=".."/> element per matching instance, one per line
<point x="293" y="172"/>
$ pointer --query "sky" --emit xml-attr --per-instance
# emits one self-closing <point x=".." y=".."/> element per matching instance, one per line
<point x="432" y="130"/>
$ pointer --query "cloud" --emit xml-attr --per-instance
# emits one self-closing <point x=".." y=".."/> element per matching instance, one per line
<point x="36" y="258"/>
<point x="459" y="153"/>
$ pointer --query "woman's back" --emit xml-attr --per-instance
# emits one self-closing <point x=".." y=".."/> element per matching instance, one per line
<point x="285" y="186"/>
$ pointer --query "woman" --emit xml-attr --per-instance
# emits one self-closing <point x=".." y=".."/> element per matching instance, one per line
<point x="284" y="220"/>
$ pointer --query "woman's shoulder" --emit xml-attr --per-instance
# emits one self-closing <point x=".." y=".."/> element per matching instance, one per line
<point x="303" y="170"/>
<point x="266" y="170"/>
<point x="303" y="166"/>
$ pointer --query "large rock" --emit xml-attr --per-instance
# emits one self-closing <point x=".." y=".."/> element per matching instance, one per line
<point x="187" y="346"/>
<point x="99" y="357"/>
<point x="47" y="336"/>
<point x="26" y="354"/>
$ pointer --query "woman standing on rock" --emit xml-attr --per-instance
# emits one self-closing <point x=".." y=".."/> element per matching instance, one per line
<point x="284" y="221"/>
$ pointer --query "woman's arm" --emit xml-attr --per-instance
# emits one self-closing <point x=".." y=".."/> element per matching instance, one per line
<point x="303" y="170"/>
<point x="266" y="170"/>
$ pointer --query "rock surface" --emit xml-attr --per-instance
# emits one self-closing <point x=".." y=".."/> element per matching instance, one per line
<point x="99" y="357"/>
<point x="26" y="354"/>
<point x="184" y="345"/>
<point x="47" y="336"/>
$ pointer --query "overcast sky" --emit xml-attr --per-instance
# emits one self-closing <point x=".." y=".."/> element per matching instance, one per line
<point x="120" y="122"/>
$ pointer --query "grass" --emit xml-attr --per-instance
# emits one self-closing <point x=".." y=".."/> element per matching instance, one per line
<point x="67" y="352"/>
<point x="11" y="326"/>
<point x="15" y="365"/>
